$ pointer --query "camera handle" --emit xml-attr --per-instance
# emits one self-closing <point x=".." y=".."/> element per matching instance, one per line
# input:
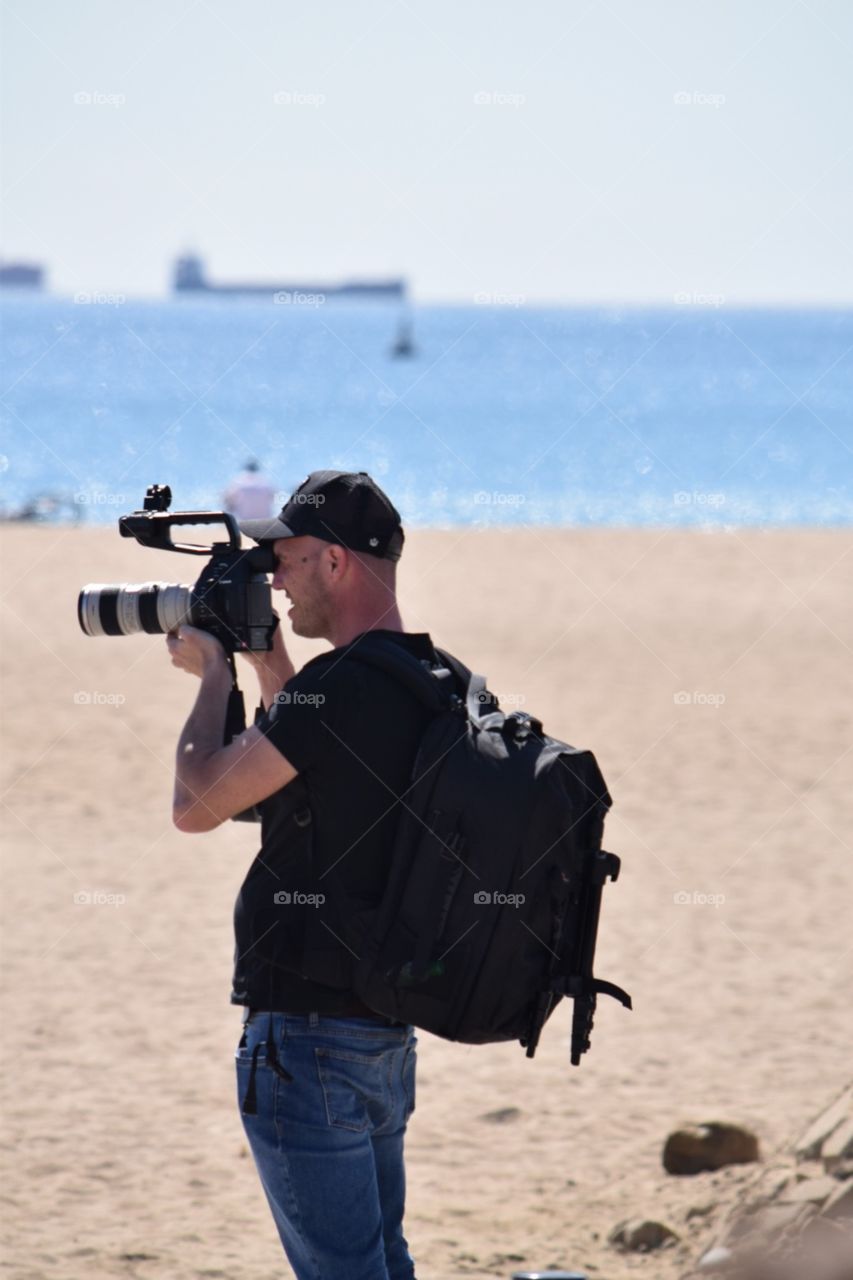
<point x="235" y="724"/>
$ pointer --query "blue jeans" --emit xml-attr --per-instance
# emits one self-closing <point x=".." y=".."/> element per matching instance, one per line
<point x="325" y="1107"/>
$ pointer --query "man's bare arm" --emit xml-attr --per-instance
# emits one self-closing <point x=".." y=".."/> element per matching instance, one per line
<point x="213" y="782"/>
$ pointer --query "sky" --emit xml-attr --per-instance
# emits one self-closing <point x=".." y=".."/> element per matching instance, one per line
<point x="550" y="151"/>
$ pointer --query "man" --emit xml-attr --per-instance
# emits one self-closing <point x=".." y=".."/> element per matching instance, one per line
<point x="250" y="495"/>
<point x="326" y="1087"/>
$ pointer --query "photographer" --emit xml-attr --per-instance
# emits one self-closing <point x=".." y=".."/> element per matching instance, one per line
<point x="326" y="1087"/>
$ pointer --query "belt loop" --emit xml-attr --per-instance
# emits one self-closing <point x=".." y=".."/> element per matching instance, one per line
<point x="313" y="1020"/>
<point x="272" y="1053"/>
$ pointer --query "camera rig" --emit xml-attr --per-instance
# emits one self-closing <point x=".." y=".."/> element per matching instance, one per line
<point x="231" y="598"/>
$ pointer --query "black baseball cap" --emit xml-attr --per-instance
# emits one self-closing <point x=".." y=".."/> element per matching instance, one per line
<point x="345" y="507"/>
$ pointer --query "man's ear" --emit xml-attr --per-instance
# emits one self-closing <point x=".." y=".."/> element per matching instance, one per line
<point x="337" y="560"/>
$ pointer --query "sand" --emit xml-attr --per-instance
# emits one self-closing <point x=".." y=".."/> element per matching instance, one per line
<point x="123" y="1147"/>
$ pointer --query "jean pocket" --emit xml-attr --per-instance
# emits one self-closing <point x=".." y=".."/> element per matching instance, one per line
<point x="245" y="1049"/>
<point x="353" y="1084"/>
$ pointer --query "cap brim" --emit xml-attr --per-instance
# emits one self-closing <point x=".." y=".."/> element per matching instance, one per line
<point x="265" y="530"/>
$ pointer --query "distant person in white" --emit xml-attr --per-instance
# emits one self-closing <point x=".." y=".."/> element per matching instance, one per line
<point x="250" y="496"/>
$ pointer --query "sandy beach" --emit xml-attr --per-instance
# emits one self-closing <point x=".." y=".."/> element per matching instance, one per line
<point x="711" y="675"/>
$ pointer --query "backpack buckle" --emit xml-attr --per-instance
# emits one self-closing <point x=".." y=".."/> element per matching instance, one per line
<point x="520" y="725"/>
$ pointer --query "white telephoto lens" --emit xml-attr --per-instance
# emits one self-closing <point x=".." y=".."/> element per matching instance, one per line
<point x="89" y="611"/>
<point x="173" y="605"/>
<point x="127" y="607"/>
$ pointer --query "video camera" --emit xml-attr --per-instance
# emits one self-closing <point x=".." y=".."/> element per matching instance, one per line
<point x="231" y="599"/>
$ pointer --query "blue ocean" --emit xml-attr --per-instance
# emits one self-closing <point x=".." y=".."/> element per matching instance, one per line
<point x="698" y="415"/>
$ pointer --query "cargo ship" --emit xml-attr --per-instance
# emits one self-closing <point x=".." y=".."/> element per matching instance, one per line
<point x="190" y="277"/>
<point x="21" y="275"/>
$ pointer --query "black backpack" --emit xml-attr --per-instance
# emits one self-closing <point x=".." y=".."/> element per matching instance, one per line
<point x="490" y="913"/>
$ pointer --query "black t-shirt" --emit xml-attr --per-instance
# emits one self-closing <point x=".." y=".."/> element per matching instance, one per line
<point x="352" y="732"/>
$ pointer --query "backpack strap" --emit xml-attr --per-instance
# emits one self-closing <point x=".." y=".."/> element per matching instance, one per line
<point x="473" y="687"/>
<point x="435" y="686"/>
<point x="440" y="687"/>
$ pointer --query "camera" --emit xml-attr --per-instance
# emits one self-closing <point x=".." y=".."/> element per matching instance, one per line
<point x="231" y="598"/>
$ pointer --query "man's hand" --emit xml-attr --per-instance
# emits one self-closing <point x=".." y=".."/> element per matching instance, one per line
<point x="195" y="651"/>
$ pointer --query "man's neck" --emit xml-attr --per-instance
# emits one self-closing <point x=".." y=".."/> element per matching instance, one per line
<point x="345" y="630"/>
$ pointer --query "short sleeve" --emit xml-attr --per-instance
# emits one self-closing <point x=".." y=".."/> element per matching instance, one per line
<point x="305" y="720"/>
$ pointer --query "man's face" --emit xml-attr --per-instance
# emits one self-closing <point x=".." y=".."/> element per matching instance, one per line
<point x="298" y="574"/>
